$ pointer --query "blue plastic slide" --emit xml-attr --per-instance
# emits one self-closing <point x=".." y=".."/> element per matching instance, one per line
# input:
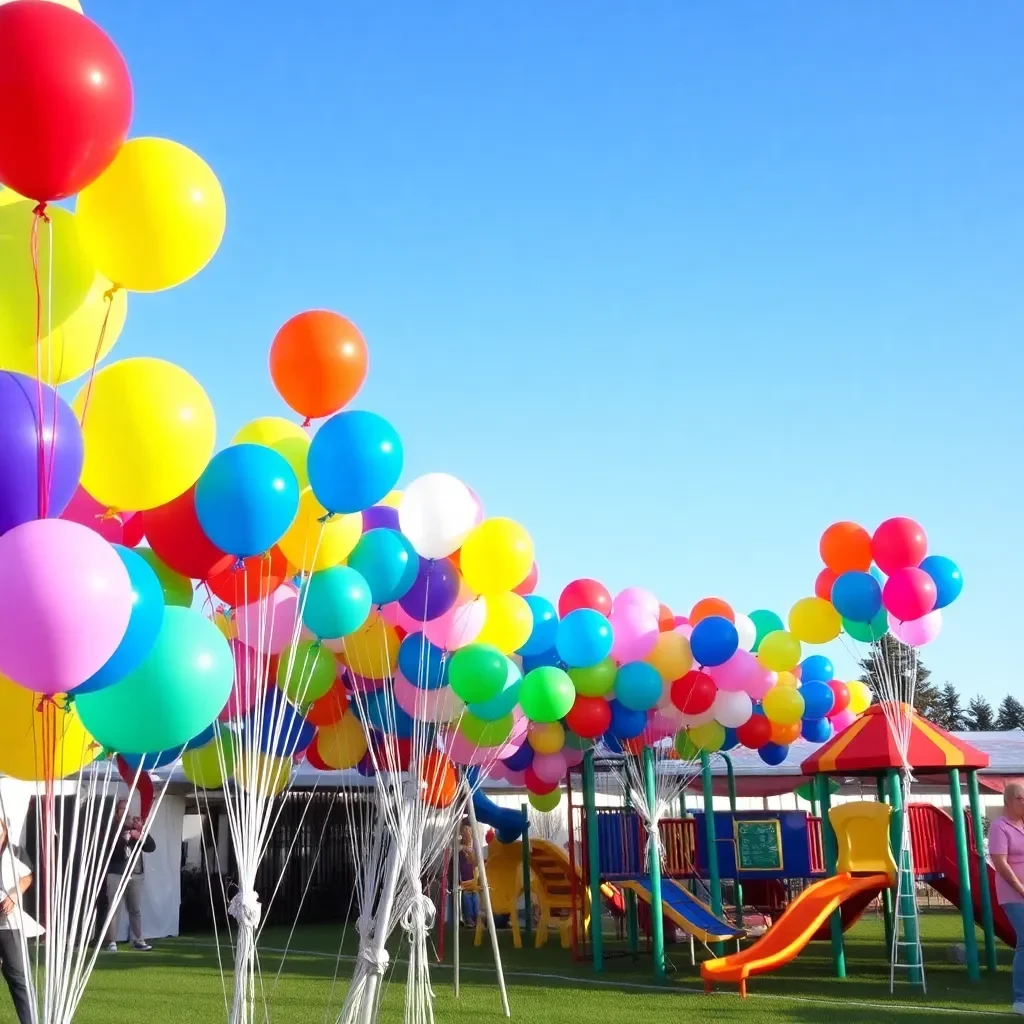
<point x="508" y="823"/>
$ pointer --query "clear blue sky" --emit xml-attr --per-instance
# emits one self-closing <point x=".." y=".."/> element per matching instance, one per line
<point x="675" y="284"/>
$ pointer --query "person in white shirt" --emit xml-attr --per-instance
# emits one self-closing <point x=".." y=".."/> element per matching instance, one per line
<point x="15" y="924"/>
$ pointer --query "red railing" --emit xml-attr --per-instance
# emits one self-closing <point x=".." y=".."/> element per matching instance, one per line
<point x="815" y="846"/>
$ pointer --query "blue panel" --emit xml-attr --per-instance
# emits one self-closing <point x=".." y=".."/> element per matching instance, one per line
<point x="796" y="857"/>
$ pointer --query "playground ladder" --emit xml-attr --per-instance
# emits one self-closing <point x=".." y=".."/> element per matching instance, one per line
<point x="906" y="953"/>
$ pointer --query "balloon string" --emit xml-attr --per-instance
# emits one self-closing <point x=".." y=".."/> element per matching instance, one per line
<point x="108" y="297"/>
<point x="307" y="422"/>
<point x="39" y="213"/>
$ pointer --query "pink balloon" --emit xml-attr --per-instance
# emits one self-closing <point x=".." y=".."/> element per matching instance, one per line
<point x="440" y="705"/>
<point x="84" y="509"/>
<point x="462" y="751"/>
<point x="760" y="682"/>
<point x="917" y="632"/>
<point x="269" y="624"/>
<point x="909" y="593"/>
<point x="460" y="625"/>
<point x="250" y="671"/>
<point x="843" y="720"/>
<point x="516" y="779"/>
<point x="635" y="635"/>
<point x="683" y="628"/>
<point x="573" y="757"/>
<point x="496" y="771"/>
<point x="392" y="614"/>
<point x="638" y="599"/>
<point x="550" y="768"/>
<point x="681" y="620"/>
<point x="659" y="725"/>
<point x="64" y="605"/>
<point x="734" y="675"/>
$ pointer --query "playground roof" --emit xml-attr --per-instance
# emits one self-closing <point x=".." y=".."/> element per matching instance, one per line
<point x="869" y="746"/>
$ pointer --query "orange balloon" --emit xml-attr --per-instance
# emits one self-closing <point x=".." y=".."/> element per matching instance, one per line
<point x="846" y="547"/>
<point x="439" y="783"/>
<point x="329" y="708"/>
<point x="708" y="606"/>
<point x="666" y="619"/>
<point x="318" y="362"/>
<point x="785" y="734"/>
<point x="251" y="581"/>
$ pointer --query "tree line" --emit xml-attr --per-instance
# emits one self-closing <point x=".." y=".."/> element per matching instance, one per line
<point x="891" y="667"/>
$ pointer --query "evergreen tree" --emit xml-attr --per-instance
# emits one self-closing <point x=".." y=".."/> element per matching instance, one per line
<point x="948" y="711"/>
<point x="1011" y="714"/>
<point x="891" y="668"/>
<point x="980" y="717"/>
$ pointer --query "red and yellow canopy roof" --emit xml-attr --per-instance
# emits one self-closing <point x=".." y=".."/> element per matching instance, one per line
<point x="869" y="746"/>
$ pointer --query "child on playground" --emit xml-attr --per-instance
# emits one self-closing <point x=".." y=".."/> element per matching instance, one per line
<point x="468" y="878"/>
<point x="1006" y="847"/>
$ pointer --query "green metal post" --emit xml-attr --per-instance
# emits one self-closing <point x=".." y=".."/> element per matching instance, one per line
<point x="632" y="918"/>
<point x="907" y="894"/>
<point x="831" y="866"/>
<point x="815" y="809"/>
<point x="714" y="880"/>
<point x="731" y="777"/>
<point x="654" y="857"/>
<point x="886" y="893"/>
<point x="682" y="803"/>
<point x="963" y="863"/>
<point x="984" y="889"/>
<point x="527" y="873"/>
<point x="594" y="856"/>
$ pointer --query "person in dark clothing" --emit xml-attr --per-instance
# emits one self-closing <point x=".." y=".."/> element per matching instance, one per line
<point x="15" y="924"/>
<point x="468" y="878"/>
<point x="129" y="839"/>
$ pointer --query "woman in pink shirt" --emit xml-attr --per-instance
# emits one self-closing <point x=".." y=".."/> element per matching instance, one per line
<point x="1006" y="848"/>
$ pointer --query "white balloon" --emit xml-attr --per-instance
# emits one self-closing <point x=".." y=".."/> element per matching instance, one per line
<point x="747" y="631"/>
<point x="732" y="709"/>
<point x="436" y="513"/>
<point x="691" y="721"/>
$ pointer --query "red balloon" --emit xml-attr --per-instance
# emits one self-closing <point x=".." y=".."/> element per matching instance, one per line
<point x="529" y="585"/>
<point x="584" y="593"/>
<point x="65" y="100"/>
<point x="823" y="584"/>
<point x="898" y="544"/>
<point x="252" y="580"/>
<point x="694" y="693"/>
<point x="589" y="717"/>
<point x="327" y="709"/>
<point x="909" y="593"/>
<point x="134" y="531"/>
<point x="312" y="753"/>
<point x="174" y="533"/>
<point x="755" y="732"/>
<point x="841" y="693"/>
<point x="536" y="785"/>
<point x="666" y="619"/>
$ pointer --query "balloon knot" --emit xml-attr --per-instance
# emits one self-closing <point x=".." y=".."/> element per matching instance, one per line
<point x="111" y="513"/>
<point x="40" y="212"/>
<point x="44" y="700"/>
<point x="326" y="518"/>
<point x="307" y="422"/>
<point x="239" y="565"/>
<point x="111" y="292"/>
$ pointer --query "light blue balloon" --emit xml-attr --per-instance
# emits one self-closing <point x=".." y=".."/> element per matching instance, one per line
<point x="388" y="562"/>
<point x="379" y="710"/>
<point x="337" y="602"/>
<point x="584" y="638"/>
<point x="503" y="703"/>
<point x="545" y="626"/>
<point x="948" y="579"/>
<point x="638" y="686"/>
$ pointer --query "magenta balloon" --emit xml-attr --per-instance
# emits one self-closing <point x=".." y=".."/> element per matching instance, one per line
<point x="268" y="625"/>
<point x="84" y="509"/>
<point x="917" y="632"/>
<point x="635" y="634"/>
<point x="734" y="675"/>
<point x="843" y="720"/>
<point x="64" y="605"/>
<point x="638" y="599"/>
<point x="909" y="593"/>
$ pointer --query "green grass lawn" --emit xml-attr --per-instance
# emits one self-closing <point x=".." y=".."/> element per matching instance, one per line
<point x="180" y="981"/>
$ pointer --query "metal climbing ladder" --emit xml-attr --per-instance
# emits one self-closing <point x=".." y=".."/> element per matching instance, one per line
<point x="906" y="960"/>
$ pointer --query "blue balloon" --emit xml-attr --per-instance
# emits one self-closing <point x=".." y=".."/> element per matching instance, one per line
<point x="816" y="730"/>
<point x="337" y="602"/>
<point x="611" y="741"/>
<point x="246" y="499"/>
<point x="584" y="638"/>
<point x="857" y="596"/>
<point x="422" y="663"/>
<point x="550" y="657"/>
<point x="150" y="762"/>
<point x="388" y="563"/>
<point x="818" y="698"/>
<point x="731" y="740"/>
<point x="379" y="710"/>
<point x="947" y="577"/>
<point x="638" y="686"/>
<point x="502" y="703"/>
<point x="354" y="460"/>
<point x="714" y="641"/>
<point x="816" y="667"/>
<point x="521" y="759"/>
<point x="545" y="626"/>
<point x="281" y="730"/>
<point x="773" y="753"/>
<point x="626" y="722"/>
<point x="206" y="736"/>
<point x="143" y="626"/>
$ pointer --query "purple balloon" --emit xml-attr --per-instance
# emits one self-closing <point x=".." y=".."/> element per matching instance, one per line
<point x="21" y="457"/>
<point x="435" y="591"/>
<point x="380" y="517"/>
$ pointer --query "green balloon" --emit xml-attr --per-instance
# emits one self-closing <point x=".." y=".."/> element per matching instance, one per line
<point x="179" y="689"/>
<point x="685" y="747"/>
<point x="595" y="681"/>
<point x="502" y="704"/>
<point x="574" y="742"/>
<point x="177" y="588"/>
<point x="808" y="788"/>
<point x="486" y="734"/>
<point x="765" y="622"/>
<point x="547" y="694"/>
<point x="477" y="672"/>
<point x="306" y="675"/>
<point x="867" y="632"/>
<point x="545" y="802"/>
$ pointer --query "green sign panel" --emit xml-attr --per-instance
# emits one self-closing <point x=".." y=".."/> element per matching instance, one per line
<point x="758" y="845"/>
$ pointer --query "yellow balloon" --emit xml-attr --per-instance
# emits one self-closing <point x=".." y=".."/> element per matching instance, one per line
<point x="860" y="696"/>
<point x="546" y="737"/>
<point x="779" y="651"/>
<point x="814" y="621"/>
<point x="787" y="679"/>
<point x="509" y="621"/>
<point x="154" y="217"/>
<point x="343" y="744"/>
<point x="41" y="739"/>
<point x="263" y="774"/>
<point x="288" y="439"/>
<point x="372" y="650"/>
<point x="708" y="737"/>
<point x="496" y="556"/>
<point x="149" y="432"/>
<point x="228" y="627"/>
<point x="8" y="195"/>
<point x="392" y="499"/>
<point x="73" y="273"/>
<point x="783" y="705"/>
<point x="313" y="545"/>
<point x="203" y="766"/>
<point x="671" y="656"/>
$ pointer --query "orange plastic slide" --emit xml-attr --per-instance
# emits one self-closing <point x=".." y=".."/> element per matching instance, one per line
<point x="791" y="933"/>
